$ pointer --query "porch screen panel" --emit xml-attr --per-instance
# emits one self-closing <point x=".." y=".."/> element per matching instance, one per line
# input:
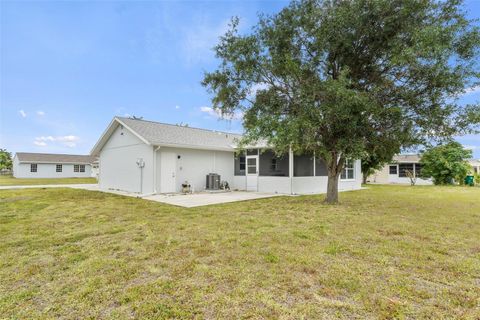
<point x="303" y="166"/>
<point x="273" y="165"/>
<point x="240" y="165"/>
<point x="320" y="168"/>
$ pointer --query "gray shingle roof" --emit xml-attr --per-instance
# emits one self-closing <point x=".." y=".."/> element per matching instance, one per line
<point x="168" y="134"/>
<point x="53" y="158"/>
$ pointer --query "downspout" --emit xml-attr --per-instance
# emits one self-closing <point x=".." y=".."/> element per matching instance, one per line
<point x="314" y="165"/>
<point x="155" y="168"/>
<point x="290" y="169"/>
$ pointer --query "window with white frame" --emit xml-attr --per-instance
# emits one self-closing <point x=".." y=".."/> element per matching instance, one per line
<point x="76" y="168"/>
<point x="393" y="169"/>
<point x="33" y="167"/>
<point x="348" y="172"/>
<point x="58" y="168"/>
<point x="82" y="168"/>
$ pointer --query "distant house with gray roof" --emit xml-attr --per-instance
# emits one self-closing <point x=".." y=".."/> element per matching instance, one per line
<point x="396" y="171"/>
<point x="50" y="165"/>
<point x="147" y="157"/>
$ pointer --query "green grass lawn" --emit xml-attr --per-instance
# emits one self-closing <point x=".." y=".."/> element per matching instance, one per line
<point x="386" y="252"/>
<point x="11" y="181"/>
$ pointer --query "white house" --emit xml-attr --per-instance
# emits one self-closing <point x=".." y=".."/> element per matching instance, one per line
<point x="395" y="172"/>
<point x="48" y="165"/>
<point x="475" y="165"/>
<point x="149" y="157"/>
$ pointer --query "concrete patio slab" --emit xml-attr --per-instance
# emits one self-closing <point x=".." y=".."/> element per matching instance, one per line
<point x="205" y="198"/>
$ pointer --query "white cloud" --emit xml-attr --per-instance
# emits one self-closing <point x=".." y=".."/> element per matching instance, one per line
<point x="177" y="107"/>
<point x="40" y="113"/>
<point x="40" y="143"/>
<point x="218" y="115"/>
<point x="23" y="113"/>
<point x="470" y="147"/>
<point x="68" y="141"/>
<point x="472" y="90"/>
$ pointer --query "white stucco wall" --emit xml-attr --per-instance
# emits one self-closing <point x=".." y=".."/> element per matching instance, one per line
<point x="117" y="161"/>
<point x="274" y="184"/>
<point x="193" y="166"/>
<point x="239" y="183"/>
<point x="48" y="170"/>
<point x="394" y="178"/>
<point x="383" y="176"/>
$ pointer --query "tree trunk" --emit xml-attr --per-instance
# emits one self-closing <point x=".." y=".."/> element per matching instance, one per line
<point x="334" y="166"/>
<point x="332" y="189"/>
<point x="365" y="176"/>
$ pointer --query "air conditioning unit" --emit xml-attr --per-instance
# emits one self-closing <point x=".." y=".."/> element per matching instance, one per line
<point x="213" y="181"/>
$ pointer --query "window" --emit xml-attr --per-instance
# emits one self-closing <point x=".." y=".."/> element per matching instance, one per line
<point x="348" y="172"/>
<point x="403" y="168"/>
<point x="58" y="168"/>
<point x="76" y="168"/>
<point x="33" y="167"/>
<point x="242" y="163"/>
<point x="393" y="169"/>
<point x="82" y="168"/>
<point x="418" y="169"/>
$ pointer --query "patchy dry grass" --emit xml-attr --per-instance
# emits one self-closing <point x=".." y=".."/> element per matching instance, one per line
<point x="11" y="181"/>
<point x="387" y="252"/>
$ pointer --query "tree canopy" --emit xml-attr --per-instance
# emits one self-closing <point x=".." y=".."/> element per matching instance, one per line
<point x="330" y="77"/>
<point x="446" y="163"/>
<point x="5" y="159"/>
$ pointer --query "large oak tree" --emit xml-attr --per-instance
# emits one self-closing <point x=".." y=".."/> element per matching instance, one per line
<point x="331" y="76"/>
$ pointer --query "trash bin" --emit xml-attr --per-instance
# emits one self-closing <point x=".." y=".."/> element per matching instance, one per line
<point x="469" y="180"/>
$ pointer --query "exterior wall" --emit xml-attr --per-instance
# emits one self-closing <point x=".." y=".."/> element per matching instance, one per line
<point x="380" y="176"/>
<point x="394" y="178"/>
<point x="118" y="167"/>
<point x="15" y="167"/>
<point x="48" y="170"/>
<point x="274" y="184"/>
<point x="239" y="183"/>
<point x="383" y="176"/>
<point x="193" y="166"/>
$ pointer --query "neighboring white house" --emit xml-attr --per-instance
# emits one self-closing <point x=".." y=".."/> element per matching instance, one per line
<point x="395" y="172"/>
<point x="475" y="165"/>
<point x="47" y="165"/>
<point x="149" y="157"/>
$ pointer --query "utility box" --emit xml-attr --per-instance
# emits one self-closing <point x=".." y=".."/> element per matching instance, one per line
<point x="213" y="181"/>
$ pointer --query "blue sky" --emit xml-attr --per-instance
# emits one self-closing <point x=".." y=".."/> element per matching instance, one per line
<point x="66" y="68"/>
